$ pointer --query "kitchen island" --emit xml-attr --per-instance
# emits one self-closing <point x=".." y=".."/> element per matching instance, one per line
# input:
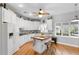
<point x="39" y="43"/>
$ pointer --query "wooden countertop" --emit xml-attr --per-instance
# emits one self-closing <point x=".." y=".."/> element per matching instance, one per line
<point x="41" y="37"/>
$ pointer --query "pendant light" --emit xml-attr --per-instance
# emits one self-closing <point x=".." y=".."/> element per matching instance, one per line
<point x="76" y="19"/>
<point x="40" y="13"/>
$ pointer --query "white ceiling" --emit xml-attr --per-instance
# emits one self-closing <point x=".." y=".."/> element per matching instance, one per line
<point x="52" y="8"/>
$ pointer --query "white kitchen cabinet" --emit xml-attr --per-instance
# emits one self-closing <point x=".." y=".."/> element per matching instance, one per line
<point x="12" y="16"/>
<point x="31" y="25"/>
<point x="49" y="24"/>
<point x="7" y="28"/>
<point x="11" y="24"/>
<point x="35" y="25"/>
<point x="17" y="23"/>
<point x="25" y="38"/>
<point x="20" y="22"/>
<point x="8" y="16"/>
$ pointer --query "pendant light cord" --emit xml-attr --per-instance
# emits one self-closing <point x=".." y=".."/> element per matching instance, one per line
<point x="76" y="16"/>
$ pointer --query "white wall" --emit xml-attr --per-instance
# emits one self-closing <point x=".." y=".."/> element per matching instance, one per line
<point x="72" y="41"/>
<point x="67" y="17"/>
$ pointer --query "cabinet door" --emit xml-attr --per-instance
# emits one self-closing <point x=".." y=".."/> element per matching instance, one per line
<point x="12" y="16"/>
<point x="49" y="24"/>
<point x="11" y="45"/>
<point x="6" y="15"/>
<point x="11" y="39"/>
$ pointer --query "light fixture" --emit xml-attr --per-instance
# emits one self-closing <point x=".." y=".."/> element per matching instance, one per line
<point x="21" y="5"/>
<point x="76" y="19"/>
<point x="40" y="16"/>
<point x="41" y="13"/>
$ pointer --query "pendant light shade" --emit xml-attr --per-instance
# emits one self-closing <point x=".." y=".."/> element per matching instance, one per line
<point x="76" y="15"/>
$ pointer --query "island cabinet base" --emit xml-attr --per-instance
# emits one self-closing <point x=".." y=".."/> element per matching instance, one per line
<point x="39" y="46"/>
<point x="40" y="43"/>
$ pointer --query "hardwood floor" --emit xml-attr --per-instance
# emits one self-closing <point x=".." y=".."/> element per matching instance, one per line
<point x="58" y="49"/>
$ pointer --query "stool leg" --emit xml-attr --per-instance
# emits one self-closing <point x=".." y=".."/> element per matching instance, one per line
<point x="55" y="41"/>
<point x="49" y="48"/>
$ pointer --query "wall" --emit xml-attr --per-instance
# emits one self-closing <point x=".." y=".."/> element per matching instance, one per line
<point x="66" y="17"/>
<point x="71" y="41"/>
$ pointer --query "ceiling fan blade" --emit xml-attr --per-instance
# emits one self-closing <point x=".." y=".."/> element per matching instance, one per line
<point x="39" y="13"/>
<point x="45" y="13"/>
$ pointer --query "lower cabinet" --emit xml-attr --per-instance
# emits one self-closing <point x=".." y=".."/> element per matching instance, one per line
<point x="24" y="39"/>
<point x="11" y="46"/>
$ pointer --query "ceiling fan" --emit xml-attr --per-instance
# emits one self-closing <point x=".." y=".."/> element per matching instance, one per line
<point x="41" y="13"/>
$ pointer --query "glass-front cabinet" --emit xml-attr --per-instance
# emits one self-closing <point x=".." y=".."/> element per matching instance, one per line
<point x="67" y="29"/>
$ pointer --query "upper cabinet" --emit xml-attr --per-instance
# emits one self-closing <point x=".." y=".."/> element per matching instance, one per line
<point x="8" y="16"/>
<point x="49" y="24"/>
<point x="5" y="15"/>
<point x="31" y="25"/>
<point x="12" y="16"/>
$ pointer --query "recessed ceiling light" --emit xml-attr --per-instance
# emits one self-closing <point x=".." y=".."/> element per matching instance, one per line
<point x="21" y="5"/>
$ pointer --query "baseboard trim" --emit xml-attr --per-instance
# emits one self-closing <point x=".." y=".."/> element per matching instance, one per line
<point x="68" y="44"/>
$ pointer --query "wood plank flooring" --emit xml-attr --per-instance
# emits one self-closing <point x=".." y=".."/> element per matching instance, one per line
<point x="58" y="49"/>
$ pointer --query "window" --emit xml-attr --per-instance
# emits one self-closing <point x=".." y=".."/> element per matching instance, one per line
<point x="58" y="29"/>
<point x="74" y="29"/>
<point x="67" y="29"/>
